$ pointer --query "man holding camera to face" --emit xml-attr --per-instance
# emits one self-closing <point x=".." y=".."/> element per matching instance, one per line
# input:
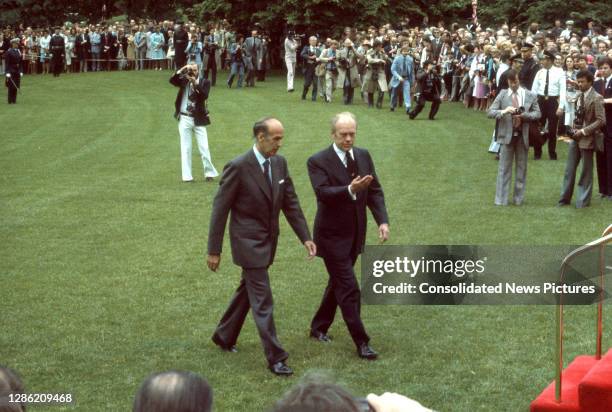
<point x="192" y="114"/>
<point x="514" y="108"/>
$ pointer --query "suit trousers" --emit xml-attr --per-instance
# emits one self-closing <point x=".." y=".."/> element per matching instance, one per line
<point x="585" y="183"/>
<point x="211" y="66"/>
<point x="548" y="107"/>
<point x="290" y="73"/>
<point x="186" y="129"/>
<point x="330" y="84"/>
<point x="342" y="290"/>
<point x="515" y="152"/>
<point x="604" y="168"/>
<point x="310" y="80"/>
<point x="435" y="104"/>
<point x="253" y="292"/>
<point x="141" y="53"/>
<point x="405" y="85"/>
<point x="13" y="83"/>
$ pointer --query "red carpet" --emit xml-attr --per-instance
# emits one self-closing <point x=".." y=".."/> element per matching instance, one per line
<point x="587" y="387"/>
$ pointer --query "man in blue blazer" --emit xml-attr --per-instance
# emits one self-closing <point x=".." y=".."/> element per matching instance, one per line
<point x="344" y="182"/>
<point x="402" y="71"/>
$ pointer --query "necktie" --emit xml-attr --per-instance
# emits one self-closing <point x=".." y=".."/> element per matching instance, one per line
<point x="350" y="165"/>
<point x="546" y="85"/>
<point x="266" y="172"/>
<point x="516" y="120"/>
<point x="405" y="71"/>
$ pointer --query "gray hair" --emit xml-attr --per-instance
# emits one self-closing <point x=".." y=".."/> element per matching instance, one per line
<point x="342" y="116"/>
<point x="261" y="125"/>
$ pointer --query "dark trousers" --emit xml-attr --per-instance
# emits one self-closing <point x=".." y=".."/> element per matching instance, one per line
<point x="604" y="167"/>
<point x="585" y="182"/>
<point x="435" y="104"/>
<point x="251" y="71"/>
<point x="548" y="107"/>
<point x="12" y="84"/>
<point x="211" y="66"/>
<point x="57" y="63"/>
<point x="310" y="80"/>
<point x="342" y="290"/>
<point x="253" y="293"/>
<point x="261" y="75"/>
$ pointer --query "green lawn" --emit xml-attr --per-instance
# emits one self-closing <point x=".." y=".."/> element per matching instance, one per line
<point x="103" y="278"/>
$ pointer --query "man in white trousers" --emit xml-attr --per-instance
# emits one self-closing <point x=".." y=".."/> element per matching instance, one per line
<point x="192" y="114"/>
<point x="291" y="46"/>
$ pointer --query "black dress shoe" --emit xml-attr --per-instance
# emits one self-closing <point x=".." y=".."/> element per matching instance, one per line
<point x="366" y="352"/>
<point x="392" y="109"/>
<point x="553" y="156"/>
<point x="411" y="116"/>
<point x="281" y="369"/>
<point x="320" y="336"/>
<point x="210" y="179"/>
<point x="223" y="345"/>
<point x="562" y="203"/>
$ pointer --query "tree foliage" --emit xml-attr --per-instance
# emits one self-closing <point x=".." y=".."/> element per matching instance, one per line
<point x="321" y="16"/>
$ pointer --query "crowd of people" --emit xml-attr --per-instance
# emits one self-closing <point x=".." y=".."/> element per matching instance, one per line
<point x="185" y="391"/>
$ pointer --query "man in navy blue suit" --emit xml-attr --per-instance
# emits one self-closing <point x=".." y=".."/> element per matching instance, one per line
<point x="344" y="182"/>
<point x="603" y="86"/>
<point x="13" y="70"/>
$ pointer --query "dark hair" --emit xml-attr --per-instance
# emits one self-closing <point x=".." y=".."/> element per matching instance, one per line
<point x="174" y="391"/>
<point x="511" y="74"/>
<point x="261" y="126"/>
<point x="10" y="383"/>
<point x="505" y="56"/>
<point x="311" y="396"/>
<point x="604" y="60"/>
<point x="585" y="74"/>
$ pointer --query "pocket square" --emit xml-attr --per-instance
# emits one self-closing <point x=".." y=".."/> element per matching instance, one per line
<point x="280" y="182"/>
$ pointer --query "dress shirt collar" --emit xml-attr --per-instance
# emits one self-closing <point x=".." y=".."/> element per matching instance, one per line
<point x="342" y="154"/>
<point x="520" y="92"/>
<point x="260" y="157"/>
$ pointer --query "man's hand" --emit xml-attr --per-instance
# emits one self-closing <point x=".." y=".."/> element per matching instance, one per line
<point x="213" y="262"/>
<point x="311" y="248"/>
<point x="360" y="183"/>
<point x="383" y="232"/>
<point x="510" y="109"/>
<point x="580" y="133"/>
<point x="8" y="75"/>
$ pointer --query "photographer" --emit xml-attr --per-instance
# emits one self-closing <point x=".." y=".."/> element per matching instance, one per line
<point x="291" y="45"/>
<point x="428" y="89"/>
<point x="520" y="107"/>
<point x="331" y="69"/>
<point x="239" y="62"/>
<point x="348" y="72"/>
<point x="590" y="117"/>
<point x="210" y="49"/>
<point x="375" y="75"/>
<point x="309" y="55"/>
<point x="192" y="114"/>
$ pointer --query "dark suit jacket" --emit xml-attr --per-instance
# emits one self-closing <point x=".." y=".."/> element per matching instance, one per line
<point x="201" y="95"/>
<point x="254" y="225"/>
<point x="421" y="78"/>
<point x="340" y="223"/>
<point x="181" y="38"/>
<point x="600" y="86"/>
<point x="13" y="59"/>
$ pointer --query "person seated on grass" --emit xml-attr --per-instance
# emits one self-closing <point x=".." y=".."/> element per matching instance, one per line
<point x="10" y="384"/>
<point x="174" y="391"/>
<point x="316" y="394"/>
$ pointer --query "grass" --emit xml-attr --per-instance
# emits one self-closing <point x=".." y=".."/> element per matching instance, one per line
<point x="103" y="278"/>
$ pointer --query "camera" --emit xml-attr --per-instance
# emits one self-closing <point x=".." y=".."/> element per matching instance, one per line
<point x="520" y="110"/>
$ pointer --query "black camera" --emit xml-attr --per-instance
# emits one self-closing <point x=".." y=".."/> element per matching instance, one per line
<point x="520" y="110"/>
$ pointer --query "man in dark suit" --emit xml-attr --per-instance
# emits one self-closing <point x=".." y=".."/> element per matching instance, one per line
<point x="181" y="38"/>
<point x="255" y="187"/>
<point x="191" y="112"/>
<point x="13" y="73"/>
<point x="429" y="86"/>
<point x="344" y="182"/>
<point x="57" y="47"/>
<point x="603" y="86"/>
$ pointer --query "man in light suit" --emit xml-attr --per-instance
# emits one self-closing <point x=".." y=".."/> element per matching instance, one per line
<point x="402" y="70"/>
<point x="253" y="50"/>
<point x="255" y="187"/>
<point x="590" y="117"/>
<point x="344" y="182"/>
<point x="514" y="108"/>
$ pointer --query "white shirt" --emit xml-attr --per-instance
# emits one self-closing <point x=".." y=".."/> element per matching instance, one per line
<point x="290" y="48"/>
<point x="502" y="68"/>
<point x="556" y="83"/>
<point x="342" y="155"/>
